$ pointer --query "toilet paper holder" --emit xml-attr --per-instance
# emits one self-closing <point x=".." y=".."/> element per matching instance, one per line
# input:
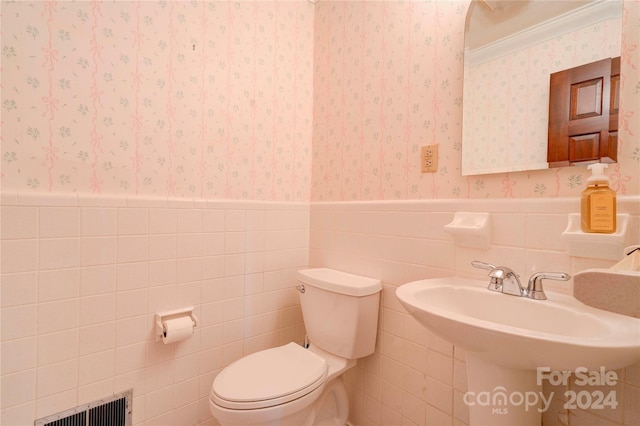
<point x="167" y="315"/>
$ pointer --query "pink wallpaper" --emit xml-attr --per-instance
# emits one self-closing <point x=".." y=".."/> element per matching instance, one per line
<point x="189" y="99"/>
<point x="389" y="80"/>
<point x="225" y="100"/>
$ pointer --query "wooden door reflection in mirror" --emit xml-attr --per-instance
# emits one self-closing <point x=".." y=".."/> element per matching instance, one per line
<point x="583" y="114"/>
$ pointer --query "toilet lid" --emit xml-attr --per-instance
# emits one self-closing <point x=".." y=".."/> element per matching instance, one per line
<point x="270" y="377"/>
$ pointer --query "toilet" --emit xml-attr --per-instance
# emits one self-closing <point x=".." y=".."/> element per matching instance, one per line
<point x="298" y="386"/>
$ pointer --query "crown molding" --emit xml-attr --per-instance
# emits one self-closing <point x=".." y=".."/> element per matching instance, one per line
<point x="547" y="30"/>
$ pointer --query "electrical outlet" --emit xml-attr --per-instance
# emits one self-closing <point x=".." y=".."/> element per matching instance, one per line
<point x="429" y="158"/>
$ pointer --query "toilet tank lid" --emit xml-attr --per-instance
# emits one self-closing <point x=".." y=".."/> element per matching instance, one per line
<point x="339" y="282"/>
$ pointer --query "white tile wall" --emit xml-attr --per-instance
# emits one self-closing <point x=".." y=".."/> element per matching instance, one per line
<point x="83" y="276"/>
<point x="414" y="377"/>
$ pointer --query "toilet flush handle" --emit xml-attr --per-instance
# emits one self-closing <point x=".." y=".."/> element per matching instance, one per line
<point x="300" y="288"/>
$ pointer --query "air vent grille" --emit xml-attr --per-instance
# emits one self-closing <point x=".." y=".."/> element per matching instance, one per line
<point x="78" y="419"/>
<point x="113" y="411"/>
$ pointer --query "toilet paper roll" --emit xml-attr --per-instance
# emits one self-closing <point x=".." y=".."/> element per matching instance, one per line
<point x="177" y="329"/>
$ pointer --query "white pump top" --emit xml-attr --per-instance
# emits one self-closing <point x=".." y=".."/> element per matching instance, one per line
<point x="597" y="175"/>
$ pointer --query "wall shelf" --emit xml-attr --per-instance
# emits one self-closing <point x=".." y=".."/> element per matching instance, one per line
<point x="470" y="229"/>
<point x="596" y="246"/>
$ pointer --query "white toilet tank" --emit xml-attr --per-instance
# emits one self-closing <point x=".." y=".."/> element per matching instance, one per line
<point x="340" y="311"/>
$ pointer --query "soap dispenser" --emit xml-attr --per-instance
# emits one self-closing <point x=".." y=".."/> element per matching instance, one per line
<point x="598" y="203"/>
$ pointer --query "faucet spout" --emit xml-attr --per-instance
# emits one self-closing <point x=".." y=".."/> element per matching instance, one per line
<point x="510" y="282"/>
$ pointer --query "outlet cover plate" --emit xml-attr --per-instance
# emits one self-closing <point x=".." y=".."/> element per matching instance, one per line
<point x="429" y="158"/>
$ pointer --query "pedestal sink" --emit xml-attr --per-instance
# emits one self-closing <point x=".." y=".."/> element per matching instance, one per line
<point x="512" y="343"/>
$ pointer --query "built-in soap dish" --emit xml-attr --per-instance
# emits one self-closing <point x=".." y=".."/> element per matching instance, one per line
<point x="470" y="229"/>
<point x="596" y="246"/>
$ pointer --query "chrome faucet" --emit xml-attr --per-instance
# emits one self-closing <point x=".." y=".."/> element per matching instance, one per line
<point x="504" y="280"/>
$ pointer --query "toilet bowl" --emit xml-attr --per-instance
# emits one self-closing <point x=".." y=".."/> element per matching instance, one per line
<point x="286" y="385"/>
<point x="297" y="386"/>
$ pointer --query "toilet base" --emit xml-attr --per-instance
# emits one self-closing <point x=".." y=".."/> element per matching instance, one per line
<point x="329" y="408"/>
<point x="332" y="408"/>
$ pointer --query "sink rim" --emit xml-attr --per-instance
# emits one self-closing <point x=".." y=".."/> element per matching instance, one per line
<point x="621" y="331"/>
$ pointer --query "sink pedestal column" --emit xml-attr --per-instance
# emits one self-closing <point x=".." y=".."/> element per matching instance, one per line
<point x="501" y="396"/>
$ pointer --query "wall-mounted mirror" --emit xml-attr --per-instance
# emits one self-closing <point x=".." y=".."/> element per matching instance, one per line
<point x="511" y="49"/>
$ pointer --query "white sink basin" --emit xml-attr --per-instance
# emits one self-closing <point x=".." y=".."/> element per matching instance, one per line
<point x="516" y="332"/>
<point x="509" y="340"/>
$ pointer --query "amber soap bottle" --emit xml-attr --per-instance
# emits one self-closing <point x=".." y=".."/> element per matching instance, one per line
<point x="598" y="203"/>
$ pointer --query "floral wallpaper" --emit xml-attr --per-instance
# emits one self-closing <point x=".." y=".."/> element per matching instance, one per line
<point x="515" y="87"/>
<point x="388" y="80"/>
<point x="209" y="99"/>
<point x="263" y="100"/>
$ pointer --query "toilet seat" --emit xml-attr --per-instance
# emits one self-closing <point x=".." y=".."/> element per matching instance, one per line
<point x="268" y="378"/>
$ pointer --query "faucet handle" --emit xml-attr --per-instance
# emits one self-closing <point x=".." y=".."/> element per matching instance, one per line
<point x="483" y="265"/>
<point x="497" y="274"/>
<point x="534" y="288"/>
